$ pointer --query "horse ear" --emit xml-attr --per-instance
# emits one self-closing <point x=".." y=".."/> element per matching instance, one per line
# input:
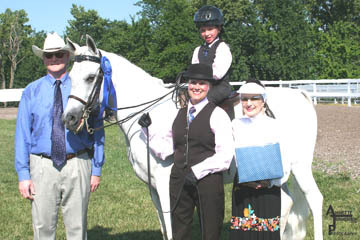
<point x="91" y="44"/>
<point x="71" y="44"/>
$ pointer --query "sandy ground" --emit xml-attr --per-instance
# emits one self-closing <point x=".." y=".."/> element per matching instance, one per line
<point x="338" y="143"/>
<point x="8" y="113"/>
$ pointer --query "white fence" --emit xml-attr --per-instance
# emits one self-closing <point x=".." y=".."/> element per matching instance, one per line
<point x="345" y="90"/>
<point x="11" y="95"/>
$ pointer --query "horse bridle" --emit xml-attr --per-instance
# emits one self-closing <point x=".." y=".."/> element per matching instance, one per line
<point x="93" y="101"/>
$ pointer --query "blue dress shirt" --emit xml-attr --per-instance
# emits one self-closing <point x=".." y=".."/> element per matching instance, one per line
<point x="33" y="127"/>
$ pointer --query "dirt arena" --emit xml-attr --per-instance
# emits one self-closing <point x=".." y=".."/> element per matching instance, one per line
<point x="338" y="142"/>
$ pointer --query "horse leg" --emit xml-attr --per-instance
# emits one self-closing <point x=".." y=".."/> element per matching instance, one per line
<point x="156" y="200"/>
<point x="296" y="222"/>
<point x="306" y="182"/>
<point x="162" y="180"/>
<point x="286" y="205"/>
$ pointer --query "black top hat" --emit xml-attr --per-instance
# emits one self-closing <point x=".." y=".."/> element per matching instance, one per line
<point x="199" y="71"/>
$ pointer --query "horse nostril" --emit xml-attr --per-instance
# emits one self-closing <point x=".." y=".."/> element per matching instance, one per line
<point x="71" y="120"/>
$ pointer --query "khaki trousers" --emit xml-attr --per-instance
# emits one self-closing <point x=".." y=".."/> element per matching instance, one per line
<point x="68" y="188"/>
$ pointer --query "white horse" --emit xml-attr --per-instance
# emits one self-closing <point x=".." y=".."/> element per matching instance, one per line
<point x="134" y="86"/>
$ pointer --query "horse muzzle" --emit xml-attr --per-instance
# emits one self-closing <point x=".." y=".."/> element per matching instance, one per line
<point x="73" y="121"/>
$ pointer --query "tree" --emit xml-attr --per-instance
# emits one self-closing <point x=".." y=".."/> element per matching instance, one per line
<point x="32" y="67"/>
<point x="337" y="26"/>
<point x="338" y="51"/>
<point x="273" y="39"/>
<point x="129" y="40"/>
<point x="173" y="39"/>
<point x="13" y="32"/>
<point x="269" y="39"/>
<point x="328" y="12"/>
<point x="86" y="22"/>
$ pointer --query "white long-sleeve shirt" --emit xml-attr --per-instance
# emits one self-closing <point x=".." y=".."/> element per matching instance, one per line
<point x="161" y="142"/>
<point x="222" y="61"/>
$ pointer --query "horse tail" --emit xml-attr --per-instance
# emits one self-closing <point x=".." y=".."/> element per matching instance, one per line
<point x="296" y="223"/>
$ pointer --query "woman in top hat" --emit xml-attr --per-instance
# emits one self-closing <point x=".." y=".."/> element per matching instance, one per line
<point x="214" y="52"/>
<point x="256" y="205"/>
<point x="203" y="147"/>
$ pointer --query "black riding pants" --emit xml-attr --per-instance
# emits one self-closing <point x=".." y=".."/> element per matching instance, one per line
<point x="208" y="198"/>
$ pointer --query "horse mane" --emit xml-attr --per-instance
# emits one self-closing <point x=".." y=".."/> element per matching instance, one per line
<point x="136" y="72"/>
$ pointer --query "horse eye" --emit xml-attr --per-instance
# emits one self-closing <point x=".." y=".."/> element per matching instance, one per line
<point x="91" y="78"/>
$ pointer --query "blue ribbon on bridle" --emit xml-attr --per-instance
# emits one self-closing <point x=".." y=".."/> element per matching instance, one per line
<point x="109" y="90"/>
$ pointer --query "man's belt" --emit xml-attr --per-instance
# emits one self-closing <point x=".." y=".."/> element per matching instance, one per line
<point x="71" y="155"/>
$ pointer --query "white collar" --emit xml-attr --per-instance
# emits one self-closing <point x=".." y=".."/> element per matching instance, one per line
<point x="217" y="39"/>
<point x="199" y="106"/>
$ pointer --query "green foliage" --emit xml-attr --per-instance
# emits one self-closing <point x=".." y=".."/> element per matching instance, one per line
<point x="327" y="13"/>
<point x="130" y="41"/>
<point x="173" y="38"/>
<point x="86" y="22"/>
<point x="274" y="40"/>
<point x="14" y="35"/>
<point x="338" y="52"/>
<point x="32" y="67"/>
<point x="269" y="39"/>
<point x="234" y="11"/>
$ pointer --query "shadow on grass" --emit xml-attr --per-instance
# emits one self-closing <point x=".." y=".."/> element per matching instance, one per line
<point x="99" y="232"/>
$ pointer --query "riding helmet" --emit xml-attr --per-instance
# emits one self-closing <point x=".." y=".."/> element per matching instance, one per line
<point x="208" y="16"/>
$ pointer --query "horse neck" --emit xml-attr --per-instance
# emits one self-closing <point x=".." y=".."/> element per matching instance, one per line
<point x="133" y="85"/>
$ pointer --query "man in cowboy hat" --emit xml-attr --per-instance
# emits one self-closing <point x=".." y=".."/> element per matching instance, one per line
<point x="54" y="166"/>
<point x="202" y="145"/>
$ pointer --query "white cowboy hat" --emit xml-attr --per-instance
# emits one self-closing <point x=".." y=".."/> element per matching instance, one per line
<point x="53" y="43"/>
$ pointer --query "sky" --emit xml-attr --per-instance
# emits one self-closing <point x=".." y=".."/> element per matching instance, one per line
<point x="49" y="15"/>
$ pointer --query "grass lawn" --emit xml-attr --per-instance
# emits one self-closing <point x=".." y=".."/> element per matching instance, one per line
<point x="121" y="209"/>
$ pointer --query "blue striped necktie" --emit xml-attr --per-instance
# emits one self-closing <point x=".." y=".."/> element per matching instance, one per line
<point x="191" y="114"/>
<point x="58" y="147"/>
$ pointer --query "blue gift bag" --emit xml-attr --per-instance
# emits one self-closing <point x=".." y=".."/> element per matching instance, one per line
<point x="259" y="163"/>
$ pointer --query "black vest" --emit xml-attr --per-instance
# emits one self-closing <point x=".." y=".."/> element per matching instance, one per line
<point x="194" y="144"/>
<point x="207" y="55"/>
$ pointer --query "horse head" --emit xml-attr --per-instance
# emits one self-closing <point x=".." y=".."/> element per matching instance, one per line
<point x="86" y="78"/>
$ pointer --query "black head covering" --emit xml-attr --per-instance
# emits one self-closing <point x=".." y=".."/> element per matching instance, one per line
<point x="199" y="71"/>
<point x="208" y="16"/>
